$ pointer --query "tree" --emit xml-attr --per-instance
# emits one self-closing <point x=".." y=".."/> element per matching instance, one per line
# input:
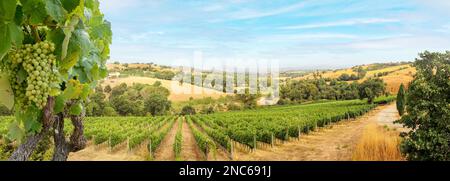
<point x="401" y="100"/>
<point x="125" y="105"/>
<point x="157" y="104"/>
<point x="108" y="89"/>
<point x="361" y="73"/>
<point x="109" y="111"/>
<point x="166" y="75"/>
<point x="344" y="77"/>
<point x="188" y="110"/>
<point x="157" y="83"/>
<point x="248" y="100"/>
<point x="371" y="88"/>
<point x="149" y="90"/>
<point x="207" y="110"/>
<point x="428" y="109"/>
<point x="96" y="105"/>
<point x="51" y="55"/>
<point x="299" y="91"/>
<point x="137" y="99"/>
<point x="119" y="90"/>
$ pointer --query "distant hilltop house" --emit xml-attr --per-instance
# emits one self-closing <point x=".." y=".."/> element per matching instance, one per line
<point x="113" y="75"/>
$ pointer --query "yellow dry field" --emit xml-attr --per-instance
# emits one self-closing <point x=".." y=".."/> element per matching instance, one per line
<point x="329" y="74"/>
<point x="392" y="80"/>
<point x="119" y="67"/>
<point x="395" y="79"/>
<point x="177" y="92"/>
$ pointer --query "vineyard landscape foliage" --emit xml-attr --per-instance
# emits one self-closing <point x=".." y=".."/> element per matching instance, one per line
<point x="219" y="130"/>
<point x="53" y="56"/>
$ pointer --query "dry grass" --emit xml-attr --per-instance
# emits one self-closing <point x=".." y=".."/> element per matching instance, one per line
<point x="178" y="92"/>
<point x="394" y="80"/>
<point x="378" y="144"/>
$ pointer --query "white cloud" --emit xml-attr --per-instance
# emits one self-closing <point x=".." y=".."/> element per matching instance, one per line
<point x="351" y="22"/>
<point x="252" y="14"/>
<point x="213" y="8"/>
<point x="298" y="37"/>
<point x="111" y="6"/>
<point x="418" y="43"/>
<point x="444" y="29"/>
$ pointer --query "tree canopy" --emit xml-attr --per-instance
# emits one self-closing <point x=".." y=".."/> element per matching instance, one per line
<point x="428" y="109"/>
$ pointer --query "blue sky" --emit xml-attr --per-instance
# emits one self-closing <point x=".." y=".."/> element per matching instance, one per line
<point x="302" y="34"/>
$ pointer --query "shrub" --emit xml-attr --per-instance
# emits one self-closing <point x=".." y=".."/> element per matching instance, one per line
<point x="188" y="110"/>
<point x="401" y="100"/>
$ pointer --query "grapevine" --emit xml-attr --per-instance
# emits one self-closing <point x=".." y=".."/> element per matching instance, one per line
<point x="52" y="54"/>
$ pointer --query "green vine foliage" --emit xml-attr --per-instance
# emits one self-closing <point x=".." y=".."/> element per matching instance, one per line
<point x="50" y="48"/>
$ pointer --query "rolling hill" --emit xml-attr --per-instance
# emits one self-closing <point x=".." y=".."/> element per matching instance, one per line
<point x="396" y="75"/>
<point x="176" y="91"/>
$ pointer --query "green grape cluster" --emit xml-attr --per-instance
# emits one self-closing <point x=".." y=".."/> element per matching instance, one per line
<point x="32" y="71"/>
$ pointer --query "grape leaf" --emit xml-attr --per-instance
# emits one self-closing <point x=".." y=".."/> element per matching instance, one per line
<point x="76" y="109"/>
<point x="70" y="5"/>
<point x="103" y="72"/>
<point x="16" y="34"/>
<point x="79" y="46"/>
<point x="81" y="75"/>
<point x="30" y="117"/>
<point x="18" y="18"/>
<point x="85" y="92"/>
<point x="95" y="72"/>
<point x="15" y="132"/>
<point x="7" y="10"/>
<point x="6" y="93"/>
<point x="35" y="10"/>
<point x="100" y="29"/>
<point x="5" y="44"/>
<point x="32" y="126"/>
<point x="59" y="104"/>
<point x="92" y="4"/>
<point x="55" y="10"/>
<point x="10" y="34"/>
<point x="73" y="90"/>
<point x="57" y="37"/>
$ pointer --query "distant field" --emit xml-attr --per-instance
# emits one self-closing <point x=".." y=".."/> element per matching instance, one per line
<point x="392" y="80"/>
<point x="174" y="91"/>
<point x="119" y="67"/>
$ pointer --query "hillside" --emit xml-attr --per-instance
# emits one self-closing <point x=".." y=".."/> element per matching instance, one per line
<point x="174" y="95"/>
<point x="120" y="67"/>
<point x="396" y="75"/>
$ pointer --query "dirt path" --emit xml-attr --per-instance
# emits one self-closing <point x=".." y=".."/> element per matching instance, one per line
<point x="189" y="149"/>
<point x="326" y="144"/>
<point x="388" y="116"/>
<point x="165" y="150"/>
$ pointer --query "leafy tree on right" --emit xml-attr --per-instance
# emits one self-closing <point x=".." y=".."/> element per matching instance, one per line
<point x="428" y="109"/>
